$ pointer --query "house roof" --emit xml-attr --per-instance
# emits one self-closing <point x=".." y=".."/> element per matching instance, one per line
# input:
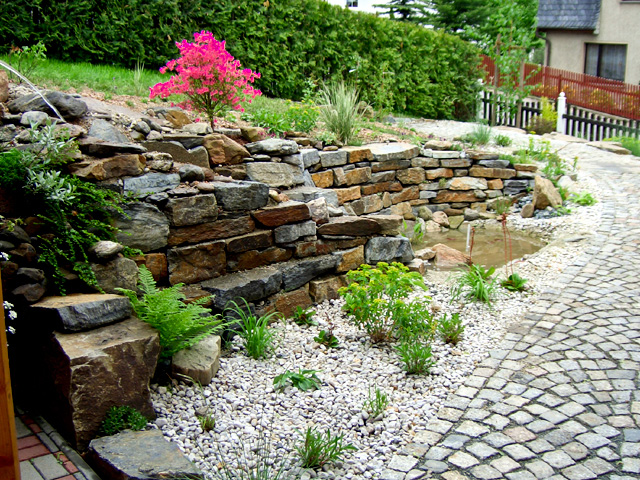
<point x="568" y="14"/>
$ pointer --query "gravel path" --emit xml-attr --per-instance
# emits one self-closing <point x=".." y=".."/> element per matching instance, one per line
<point x="247" y="410"/>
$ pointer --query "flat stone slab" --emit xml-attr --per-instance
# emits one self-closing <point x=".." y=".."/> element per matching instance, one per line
<point x="251" y="285"/>
<point x="383" y="152"/>
<point x="612" y="147"/>
<point x="80" y="312"/>
<point x="139" y="456"/>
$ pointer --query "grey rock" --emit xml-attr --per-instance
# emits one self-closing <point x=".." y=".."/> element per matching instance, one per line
<point x="306" y="194"/>
<point x="275" y="174"/>
<point x="187" y="140"/>
<point x="199" y="362"/>
<point x="105" y="249"/>
<point x="494" y="163"/>
<point x="142" y="226"/>
<point x="154" y="136"/>
<point x="8" y="133"/>
<point x="252" y="285"/>
<point x="192" y="210"/>
<point x="513" y="187"/>
<point x="388" y="249"/>
<point x="292" y="232"/>
<point x="196" y="156"/>
<point x="310" y="157"/>
<point x="233" y="196"/>
<point x="295" y="160"/>
<point x="333" y="159"/>
<point x="383" y="152"/>
<point x="319" y="210"/>
<point x="152" y="124"/>
<point x="103" y="130"/>
<point x="273" y="146"/>
<point x="190" y="173"/>
<point x="150" y="183"/>
<point x="80" y="312"/>
<point x="145" y="455"/>
<point x="15" y="235"/>
<point x="30" y="275"/>
<point x="33" y="119"/>
<point x="99" y="148"/>
<point x="229" y="132"/>
<point x="296" y="273"/>
<point x="200" y="128"/>
<point x="120" y="272"/>
<point x="142" y="127"/>
<point x="68" y="106"/>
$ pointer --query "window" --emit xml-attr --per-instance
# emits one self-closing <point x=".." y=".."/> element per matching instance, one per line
<point x="352" y="3"/>
<point x="607" y="61"/>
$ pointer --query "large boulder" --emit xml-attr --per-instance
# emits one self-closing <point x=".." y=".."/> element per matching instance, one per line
<point x="388" y="249"/>
<point x="120" y="272"/>
<point x="196" y="156"/>
<point x="232" y="152"/>
<point x="447" y="258"/>
<point x="273" y="147"/>
<point x="199" y="362"/>
<point x="68" y="106"/>
<point x="90" y="372"/>
<point x="545" y="194"/>
<point x="80" y="312"/>
<point x="142" y="226"/>
<point x="143" y="455"/>
<point x="106" y="168"/>
<point x="197" y="262"/>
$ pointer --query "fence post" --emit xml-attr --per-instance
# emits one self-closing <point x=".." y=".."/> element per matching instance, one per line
<point x="480" y="101"/>
<point x="561" y="109"/>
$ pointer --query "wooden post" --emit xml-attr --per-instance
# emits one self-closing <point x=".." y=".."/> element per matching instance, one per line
<point x="520" y="86"/>
<point x="9" y="463"/>
<point x="496" y="82"/>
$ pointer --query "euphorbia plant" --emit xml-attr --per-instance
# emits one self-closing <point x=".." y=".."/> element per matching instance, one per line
<point x="210" y="78"/>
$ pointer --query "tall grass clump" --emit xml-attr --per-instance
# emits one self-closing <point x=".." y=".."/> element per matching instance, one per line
<point x="339" y="110"/>
<point x="259" y="339"/>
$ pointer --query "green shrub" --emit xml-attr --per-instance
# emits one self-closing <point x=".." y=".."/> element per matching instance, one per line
<point x="302" y="116"/>
<point x="451" y="328"/>
<point x="180" y="325"/>
<point x="583" y="199"/>
<point x="425" y="72"/>
<point x="122" y="418"/>
<point x="546" y="122"/>
<point x="476" y="284"/>
<point x="480" y="135"/>
<point x="375" y="299"/>
<point x="376" y="403"/>
<point x="317" y="449"/>
<point x="74" y="214"/>
<point x="415" y="355"/>
<point x="503" y="140"/>
<point x="302" y="380"/>
<point x="26" y="59"/>
<point x="632" y="144"/>
<point x="259" y="339"/>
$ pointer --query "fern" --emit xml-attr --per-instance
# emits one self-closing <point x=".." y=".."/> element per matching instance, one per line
<point x="179" y="324"/>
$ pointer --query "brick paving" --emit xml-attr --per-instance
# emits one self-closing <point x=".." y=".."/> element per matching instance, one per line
<point x="559" y="398"/>
<point x="45" y="455"/>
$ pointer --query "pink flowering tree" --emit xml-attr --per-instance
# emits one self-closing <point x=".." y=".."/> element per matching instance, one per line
<point x="212" y="81"/>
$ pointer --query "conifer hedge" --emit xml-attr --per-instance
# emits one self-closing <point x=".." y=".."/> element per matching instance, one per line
<point x="421" y="71"/>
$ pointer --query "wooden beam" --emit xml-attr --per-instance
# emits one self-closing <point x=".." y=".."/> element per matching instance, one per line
<point x="9" y="463"/>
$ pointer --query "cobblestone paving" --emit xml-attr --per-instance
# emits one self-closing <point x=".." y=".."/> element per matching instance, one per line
<point x="560" y="398"/>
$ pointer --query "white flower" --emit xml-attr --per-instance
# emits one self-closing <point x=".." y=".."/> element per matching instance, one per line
<point x="4" y="256"/>
<point x="12" y="315"/>
<point x="11" y="330"/>
<point x="7" y="305"/>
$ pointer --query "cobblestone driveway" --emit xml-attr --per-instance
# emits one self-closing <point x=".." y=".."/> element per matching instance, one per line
<point x="560" y="398"/>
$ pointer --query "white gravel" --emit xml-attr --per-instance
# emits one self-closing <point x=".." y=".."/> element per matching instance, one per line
<point x="243" y="401"/>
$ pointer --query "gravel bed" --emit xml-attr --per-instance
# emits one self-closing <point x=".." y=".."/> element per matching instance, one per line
<point x="247" y="409"/>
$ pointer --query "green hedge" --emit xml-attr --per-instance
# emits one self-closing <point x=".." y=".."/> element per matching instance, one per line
<point x="427" y="73"/>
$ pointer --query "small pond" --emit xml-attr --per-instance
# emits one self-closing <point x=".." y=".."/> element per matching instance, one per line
<point x="488" y="246"/>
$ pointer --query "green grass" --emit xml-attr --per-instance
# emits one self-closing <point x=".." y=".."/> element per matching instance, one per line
<point x="630" y="143"/>
<point x="59" y="75"/>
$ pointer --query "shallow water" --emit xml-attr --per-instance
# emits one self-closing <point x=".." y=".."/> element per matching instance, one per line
<point x="488" y="244"/>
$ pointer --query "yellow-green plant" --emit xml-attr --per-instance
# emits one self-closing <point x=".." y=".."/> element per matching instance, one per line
<point x="376" y="299"/>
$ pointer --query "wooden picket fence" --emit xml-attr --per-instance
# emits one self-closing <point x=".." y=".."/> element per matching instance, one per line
<point x="602" y="95"/>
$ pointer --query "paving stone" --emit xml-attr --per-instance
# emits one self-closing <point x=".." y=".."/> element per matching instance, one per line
<point x="631" y="465"/>
<point x="402" y="463"/>
<point x="28" y="471"/>
<point x="521" y="475"/>
<point x="392" y="475"/>
<point x="539" y="445"/>
<point x="578" y="472"/>
<point x="481" y="450"/>
<point x="520" y="434"/>
<point x="437" y="453"/>
<point x="436" y="466"/>
<point x="519" y="452"/>
<point x="558" y="459"/>
<point x="540" y="469"/>
<point x="49" y="467"/>
<point x="454" y="441"/>
<point x="608" y="454"/>
<point x="485" y="472"/>
<point x="592" y="440"/>
<point x="598" y="466"/>
<point x="505" y="464"/>
<point x="497" y="439"/>
<point x="415" y="475"/>
<point x="463" y="460"/>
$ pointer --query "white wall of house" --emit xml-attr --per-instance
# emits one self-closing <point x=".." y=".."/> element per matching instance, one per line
<point x="619" y="23"/>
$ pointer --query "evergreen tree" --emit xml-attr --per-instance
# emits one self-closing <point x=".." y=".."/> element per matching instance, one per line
<point x="415" y="11"/>
<point x="456" y="16"/>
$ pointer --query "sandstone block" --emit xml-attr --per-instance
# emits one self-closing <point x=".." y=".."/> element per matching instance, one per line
<point x="306" y="194"/>
<point x="326" y="288"/>
<point x="386" y="176"/>
<point x="350" y="226"/>
<point x="503" y="173"/>
<point x="275" y="174"/>
<point x="273" y="147"/>
<point x="389" y="224"/>
<point x="384" y="152"/>
<point x="323" y="179"/>
<point x="448" y="258"/>
<point x="411" y="176"/>
<point x="388" y="249"/>
<point x="233" y="152"/>
<point x="388" y="165"/>
<point x="222" y="228"/>
<point x="347" y="194"/>
<point x="156" y="263"/>
<point x="255" y="258"/>
<point x="199" y="362"/>
<point x="495" y="184"/>
<point x="287" y="303"/>
<point x="196" y="156"/>
<point x="350" y="259"/>
<point x="282" y="214"/>
<point x="380" y="188"/>
<point x="106" y="168"/>
<point x="480" y="155"/>
<point x="425" y="162"/>
<point x="439" y="173"/>
<point x="545" y="194"/>
<point x="319" y="210"/>
<point x="184" y="211"/>
<point x="196" y="263"/>
<point x="150" y="183"/>
<point x="368" y="204"/>
<point x="358" y="154"/>
<point x="409" y="193"/>
<point x="357" y="176"/>
<point x="120" y="272"/>
<point x="468" y="183"/>
<point x="455" y="163"/>
<point x="447" y="196"/>
<point x="333" y="159"/>
<point x="233" y="196"/>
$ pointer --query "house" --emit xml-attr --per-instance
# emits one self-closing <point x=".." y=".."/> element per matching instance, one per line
<point x="359" y="5"/>
<point x="597" y="37"/>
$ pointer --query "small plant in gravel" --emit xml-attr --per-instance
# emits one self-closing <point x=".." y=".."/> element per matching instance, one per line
<point x="415" y="354"/>
<point x="502" y="140"/>
<point x="376" y="299"/>
<point x="318" y="449"/>
<point x="376" y="402"/>
<point x="327" y="338"/>
<point x="475" y="283"/>
<point x="451" y="328"/>
<point x="259" y="339"/>
<point x="179" y="324"/>
<point x="480" y="135"/>
<point x="302" y="380"/>
<point x="207" y="422"/>
<point x="514" y="283"/>
<point x="122" y="418"/>
<point x="304" y="316"/>
<point x="583" y="199"/>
